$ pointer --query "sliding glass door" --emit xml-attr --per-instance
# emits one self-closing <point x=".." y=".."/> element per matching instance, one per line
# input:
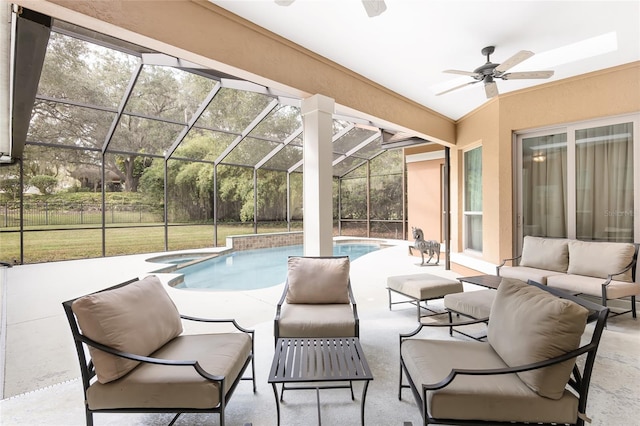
<point x="604" y="183"/>
<point x="580" y="181"/>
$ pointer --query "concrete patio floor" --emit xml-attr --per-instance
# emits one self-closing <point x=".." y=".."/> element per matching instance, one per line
<point x="41" y="385"/>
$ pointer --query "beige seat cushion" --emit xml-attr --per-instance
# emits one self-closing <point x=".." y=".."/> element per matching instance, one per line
<point x="525" y="273"/>
<point x="157" y="386"/>
<point x="318" y="280"/>
<point x="423" y="286"/>
<point x="326" y="320"/>
<point x="593" y="286"/>
<point x="491" y="398"/>
<point x="474" y="304"/>
<point x="138" y="318"/>
<point x="595" y="259"/>
<point x="545" y="253"/>
<point x="527" y="325"/>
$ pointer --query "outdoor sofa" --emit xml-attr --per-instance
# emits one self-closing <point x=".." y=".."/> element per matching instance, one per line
<point x="601" y="269"/>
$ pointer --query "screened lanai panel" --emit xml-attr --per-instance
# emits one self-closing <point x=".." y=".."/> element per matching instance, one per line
<point x="232" y="110"/>
<point x="272" y="196"/>
<point x="354" y="198"/>
<point x="385" y="195"/>
<point x="84" y="72"/>
<point x="372" y="149"/>
<point x="168" y="93"/>
<point x="279" y="124"/>
<point x="249" y="151"/>
<point x="235" y="194"/>
<point x="63" y="170"/>
<point x="286" y="158"/>
<point x="295" y="196"/>
<point x="347" y="164"/>
<point x="205" y="145"/>
<point x="189" y="191"/>
<point x="61" y="124"/>
<point x="388" y="162"/>
<point x="142" y="135"/>
<point x="352" y="139"/>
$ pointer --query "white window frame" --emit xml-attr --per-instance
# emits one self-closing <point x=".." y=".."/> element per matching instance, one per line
<point x="570" y="130"/>
<point x="468" y="213"/>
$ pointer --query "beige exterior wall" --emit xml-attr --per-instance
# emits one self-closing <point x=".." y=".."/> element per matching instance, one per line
<point x="610" y="92"/>
<point x="424" y="198"/>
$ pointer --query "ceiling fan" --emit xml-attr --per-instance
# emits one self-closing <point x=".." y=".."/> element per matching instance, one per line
<point x="488" y="72"/>
<point x="373" y="7"/>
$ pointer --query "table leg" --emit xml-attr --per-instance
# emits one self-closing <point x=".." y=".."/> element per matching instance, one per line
<point x="275" y="393"/>
<point x="318" y="400"/>
<point x="364" y="396"/>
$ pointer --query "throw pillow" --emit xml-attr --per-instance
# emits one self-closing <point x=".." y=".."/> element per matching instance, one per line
<point x="137" y="318"/>
<point x="527" y="325"/>
<point x="551" y="254"/>
<point x="318" y="280"/>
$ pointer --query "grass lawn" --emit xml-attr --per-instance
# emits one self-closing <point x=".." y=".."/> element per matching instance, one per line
<point x="67" y="244"/>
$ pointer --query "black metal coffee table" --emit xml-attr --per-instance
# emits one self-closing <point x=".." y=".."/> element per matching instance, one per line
<point x="319" y="360"/>
<point x="489" y="281"/>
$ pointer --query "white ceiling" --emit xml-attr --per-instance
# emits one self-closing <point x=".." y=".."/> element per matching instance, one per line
<point x="407" y="47"/>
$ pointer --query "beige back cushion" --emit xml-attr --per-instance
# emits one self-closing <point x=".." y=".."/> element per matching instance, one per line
<point x="318" y="280"/>
<point x="545" y="253"/>
<point x="138" y="318"/>
<point x="527" y="325"/>
<point x="596" y="259"/>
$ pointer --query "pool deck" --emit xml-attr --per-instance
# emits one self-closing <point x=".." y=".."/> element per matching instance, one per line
<point x="40" y="383"/>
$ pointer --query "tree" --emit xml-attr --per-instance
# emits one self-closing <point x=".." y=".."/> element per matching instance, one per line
<point x="44" y="184"/>
<point x="10" y="185"/>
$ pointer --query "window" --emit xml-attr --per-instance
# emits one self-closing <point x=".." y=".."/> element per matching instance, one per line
<point x="578" y="181"/>
<point x="473" y="199"/>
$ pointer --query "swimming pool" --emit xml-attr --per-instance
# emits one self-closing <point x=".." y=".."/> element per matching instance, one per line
<point x="254" y="269"/>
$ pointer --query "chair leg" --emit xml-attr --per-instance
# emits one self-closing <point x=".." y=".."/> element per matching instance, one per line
<point x="450" y="322"/>
<point x="89" y="416"/>
<point x="174" y="419"/>
<point x="633" y="307"/>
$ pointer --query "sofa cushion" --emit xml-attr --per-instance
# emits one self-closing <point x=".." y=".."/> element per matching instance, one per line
<point x="527" y="325"/>
<point x="525" y="273"/>
<point x="581" y="284"/>
<point x="470" y="397"/>
<point x="322" y="320"/>
<point x="317" y="280"/>
<point x="545" y="253"/>
<point x="159" y="386"/>
<point x="598" y="259"/>
<point x="137" y="318"/>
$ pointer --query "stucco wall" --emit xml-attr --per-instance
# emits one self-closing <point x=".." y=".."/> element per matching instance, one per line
<point x="424" y="198"/>
<point x="610" y="92"/>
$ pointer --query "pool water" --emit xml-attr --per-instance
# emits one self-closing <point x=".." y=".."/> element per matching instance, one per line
<point x="254" y="269"/>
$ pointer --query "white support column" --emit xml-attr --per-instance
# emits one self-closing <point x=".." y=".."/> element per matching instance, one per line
<point x="317" y="121"/>
<point x="5" y="79"/>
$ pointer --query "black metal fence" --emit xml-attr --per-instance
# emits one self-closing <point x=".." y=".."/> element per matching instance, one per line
<point x="70" y="214"/>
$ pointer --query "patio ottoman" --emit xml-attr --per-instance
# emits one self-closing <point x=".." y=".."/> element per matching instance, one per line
<point x="472" y="304"/>
<point x="419" y="288"/>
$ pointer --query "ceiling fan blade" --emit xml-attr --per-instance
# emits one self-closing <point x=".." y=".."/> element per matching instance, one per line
<point x="284" y="2"/>
<point x="527" y="74"/>
<point x="457" y="87"/>
<point x="491" y="89"/>
<point x="374" y="7"/>
<point x="469" y="73"/>
<point x="514" y="60"/>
